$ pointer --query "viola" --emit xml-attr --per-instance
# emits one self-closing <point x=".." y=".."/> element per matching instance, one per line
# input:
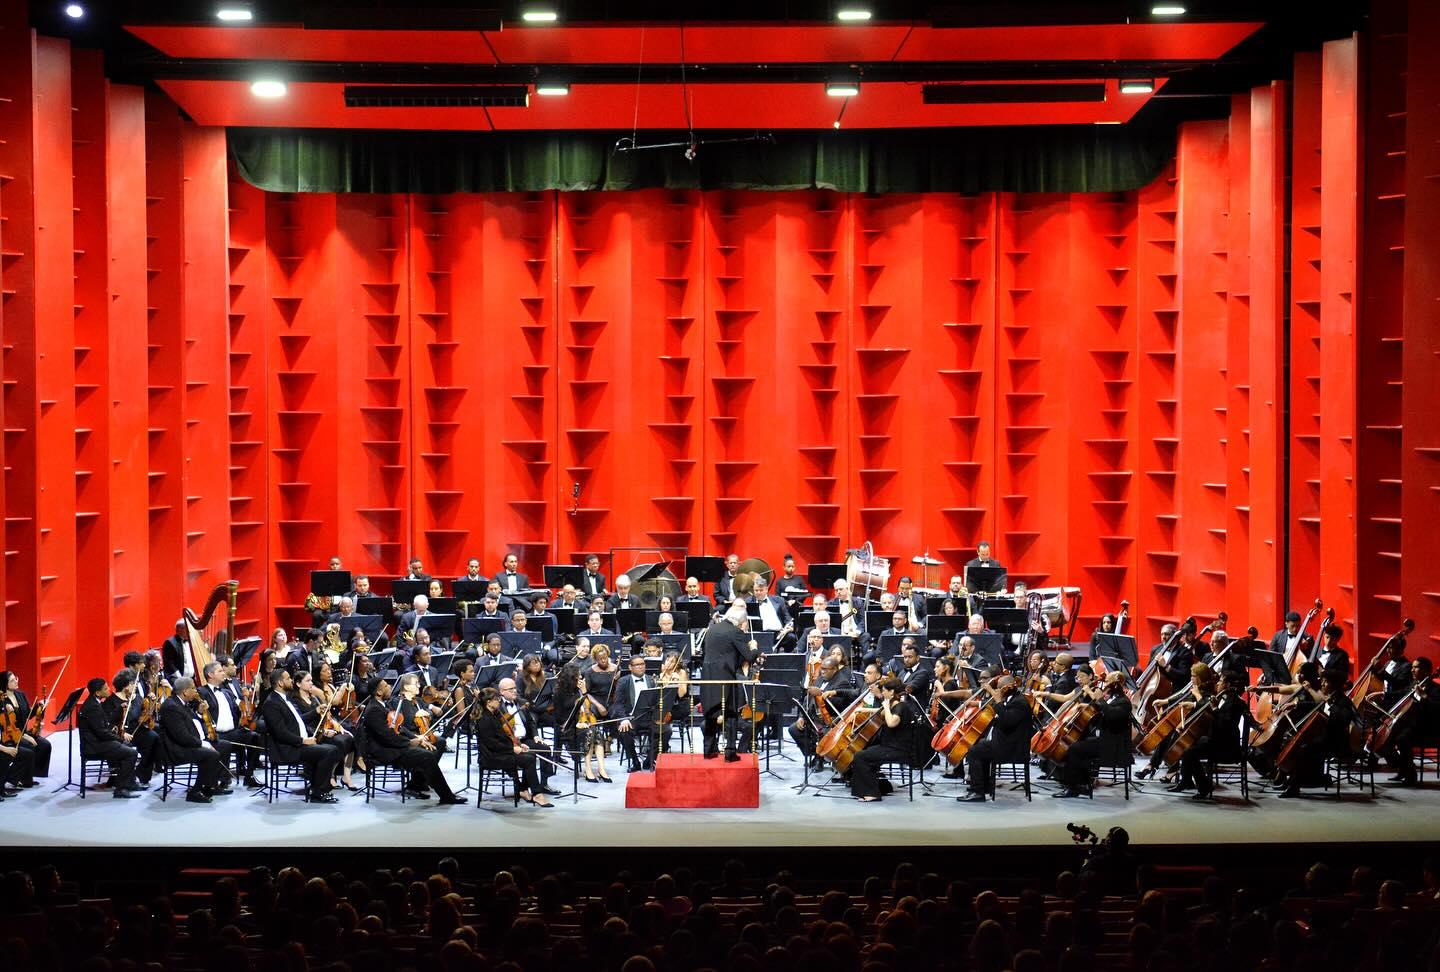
<point x="205" y="719"/>
<point x="150" y="705"/>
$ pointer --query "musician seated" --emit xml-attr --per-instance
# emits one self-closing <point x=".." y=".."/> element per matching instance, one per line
<point x="899" y="626"/>
<point x="982" y="558"/>
<point x="490" y="608"/>
<point x="416" y="570"/>
<point x="788" y="586"/>
<point x="98" y="740"/>
<point x="409" y="624"/>
<point x="318" y="712"/>
<point x="595" y="624"/>
<point x="125" y="705"/>
<point x="570" y="599"/>
<point x="852" y="609"/>
<point x="502" y="750"/>
<point x="420" y="666"/>
<point x="1333" y="739"/>
<point x="692" y="592"/>
<point x="915" y="679"/>
<point x="1222" y="742"/>
<point x="665" y="624"/>
<point x="1199" y="686"/>
<point x="1420" y="726"/>
<point x="622" y="599"/>
<point x="1007" y="738"/>
<point x="893" y="743"/>
<point x="12" y="698"/>
<point x="1107" y="737"/>
<point x="632" y="720"/>
<point x="537" y="691"/>
<point x="233" y="741"/>
<point x="489" y="661"/>
<point x="472" y="572"/>
<point x="774" y="612"/>
<point x="186" y="741"/>
<point x="1287" y="639"/>
<point x="346" y="609"/>
<point x="512" y="584"/>
<point x="1061" y="679"/>
<point x="1330" y="655"/>
<point x="822" y="626"/>
<point x="825" y="698"/>
<point x="293" y="740"/>
<point x="526" y="730"/>
<point x="362" y="589"/>
<point x="398" y="745"/>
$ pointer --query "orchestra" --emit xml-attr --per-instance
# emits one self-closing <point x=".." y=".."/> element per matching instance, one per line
<point x="581" y="680"/>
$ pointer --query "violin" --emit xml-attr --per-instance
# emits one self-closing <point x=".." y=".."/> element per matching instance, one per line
<point x="749" y="712"/>
<point x="150" y="705"/>
<point x="10" y="728"/>
<point x="210" y="733"/>
<point x="248" y="714"/>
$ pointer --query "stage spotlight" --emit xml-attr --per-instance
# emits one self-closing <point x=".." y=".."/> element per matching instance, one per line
<point x="74" y="11"/>
<point x="551" y="88"/>
<point x="842" y="89"/>
<point x="837" y="123"/>
<point x="234" y="14"/>
<point x="852" y="15"/>
<point x="1137" y="86"/>
<point x="1167" y="10"/>
<point x="539" y="15"/>
<point x="268" y="88"/>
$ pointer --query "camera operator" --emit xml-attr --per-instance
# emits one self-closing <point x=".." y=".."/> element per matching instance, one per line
<point x="1109" y="857"/>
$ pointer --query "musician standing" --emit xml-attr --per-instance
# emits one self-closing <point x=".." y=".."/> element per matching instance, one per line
<point x="982" y="558"/>
<point x="1330" y="655"/>
<point x="788" y="586"/>
<point x="727" y="647"/>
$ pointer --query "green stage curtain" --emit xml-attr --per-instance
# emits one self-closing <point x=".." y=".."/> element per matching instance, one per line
<point x="1038" y="159"/>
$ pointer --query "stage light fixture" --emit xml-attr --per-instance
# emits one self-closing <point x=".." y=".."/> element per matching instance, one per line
<point x="1137" y="86"/>
<point x="852" y="15"/>
<point x="1167" y="10"/>
<point x="539" y="15"/>
<point x="551" y="89"/>
<point x="267" y="88"/>
<point x="74" y="11"/>
<point x="234" y="14"/>
<point x="1108" y="121"/>
<point x="842" y="89"/>
<point x="837" y="123"/>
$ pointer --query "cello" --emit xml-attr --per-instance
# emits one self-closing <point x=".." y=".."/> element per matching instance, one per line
<point x="1382" y="734"/>
<point x="1369" y="682"/>
<point x="852" y="732"/>
<point x="1066" y="729"/>
<point x="967" y="726"/>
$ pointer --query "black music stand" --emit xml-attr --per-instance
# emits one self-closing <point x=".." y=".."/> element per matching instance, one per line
<point x="405" y="591"/>
<point x="441" y="628"/>
<point x="806" y="620"/>
<point x="475" y="630"/>
<point x="990" y="649"/>
<point x="985" y="580"/>
<point x="945" y="627"/>
<point x="518" y="644"/>
<point x="1006" y="618"/>
<point x="1273" y="670"/>
<point x="822" y="577"/>
<point x="631" y="620"/>
<point x="558" y="575"/>
<point x="383" y="607"/>
<point x="1108" y="645"/>
<point x="443" y="605"/>
<point x="330" y="583"/>
<point x="243" y="650"/>
<point x="490" y="675"/>
<point x="707" y="570"/>
<point x="67" y="714"/>
<point x="697" y="614"/>
<point x="368" y="623"/>
<point x="676" y="641"/>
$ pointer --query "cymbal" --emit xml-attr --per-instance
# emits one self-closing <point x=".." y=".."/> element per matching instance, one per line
<point x="925" y="561"/>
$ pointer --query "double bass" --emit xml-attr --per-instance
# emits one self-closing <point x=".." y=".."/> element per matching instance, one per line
<point x="1369" y="682"/>
<point x="1394" y="718"/>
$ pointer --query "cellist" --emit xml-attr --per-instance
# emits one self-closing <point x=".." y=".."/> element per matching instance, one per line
<point x="1338" y="712"/>
<point x="1419" y="726"/>
<point x="827" y="696"/>
<point x="1009" y="730"/>
<point x="1108" y="739"/>
<point x="1222" y="743"/>
<point x="894" y="742"/>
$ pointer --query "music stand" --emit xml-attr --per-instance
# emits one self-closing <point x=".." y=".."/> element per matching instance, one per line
<point x="558" y="575"/>
<point x="945" y="627"/>
<point x="469" y="590"/>
<point x="385" y="658"/>
<point x="441" y="628"/>
<point x="984" y="580"/>
<point x="330" y="583"/>
<point x="383" y="607"/>
<point x="489" y="675"/>
<point x="1113" y="664"/>
<point x="631" y="620"/>
<point x="1006" y="618"/>
<point x="368" y="623"/>
<point x="405" y="591"/>
<point x="474" y="630"/>
<point x="1122" y="646"/>
<point x="707" y="570"/>
<point x="443" y="605"/>
<point x="675" y="641"/>
<point x="67" y="714"/>
<point x="989" y="649"/>
<point x="806" y="619"/>
<point x="520" y="643"/>
<point x="541" y="624"/>
<point x="606" y="638"/>
<point x="888" y="645"/>
<point x="822" y="577"/>
<point x="697" y="613"/>
<point x="878" y="619"/>
<point x="1273" y="669"/>
<point x="567" y="620"/>
<point x="243" y="650"/>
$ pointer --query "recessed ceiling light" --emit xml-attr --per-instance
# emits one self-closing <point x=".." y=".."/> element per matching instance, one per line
<point x="842" y="89"/>
<point x="1107" y="121"/>
<point x="234" y="14"/>
<point x="539" y="16"/>
<point x="851" y="15"/>
<point x="1167" y="10"/>
<point x="74" y="11"/>
<point x="268" y="88"/>
<point x="1137" y="86"/>
<point x="552" y="88"/>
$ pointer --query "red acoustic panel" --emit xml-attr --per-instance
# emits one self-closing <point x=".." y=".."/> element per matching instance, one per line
<point x="1304" y="351"/>
<point x="1339" y="138"/>
<point x="1381" y="331"/>
<point x="1202" y="385"/>
<point x="1420" y="458"/>
<point x="1234" y="373"/>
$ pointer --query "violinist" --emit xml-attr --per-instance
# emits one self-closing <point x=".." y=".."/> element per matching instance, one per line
<point x="122" y="709"/>
<point x="464" y="697"/>
<point x="1338" y="713"/>
<point x="330" y="698"/>
<point x="187" y="740"/>
<point x="603" y="675"/>
<point x="814" y="653"/>
<point x="429" y="675"/>
<point x="316" y="708"/>
<point x="14" y="700"/>
<point x="1418" y="727"/>
<point x="537" y="691"/>
<point x="224" y="710"/>
<point x="399" y="745"/>
<point x="1107" y="738"/>
<point x="673" y="675"/>
<point x="1330" y="655"/>
<point x="1007" y="737"/>
<point x="825" y="698"/>
<point x="152" y="675"/>
<point x="501" y="749"/>
<point x="894" y="743"/>
<point x="293" y="740"/>
<point x="525" y="730"/>
<point x="567" y="695"/>
<point x="100" y="740"/>
<point x="1199" y="686"/>
<point x="1223" y="743"/>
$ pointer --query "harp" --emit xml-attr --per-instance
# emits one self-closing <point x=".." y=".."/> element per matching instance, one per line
<point x="211" y="632"/>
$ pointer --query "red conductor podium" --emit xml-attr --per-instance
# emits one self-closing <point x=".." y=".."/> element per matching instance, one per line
<point x="690" y="781"/>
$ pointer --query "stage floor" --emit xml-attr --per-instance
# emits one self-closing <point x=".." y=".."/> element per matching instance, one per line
<point x="43" y="818"/>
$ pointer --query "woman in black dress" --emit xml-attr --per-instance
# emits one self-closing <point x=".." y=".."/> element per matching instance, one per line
<point x="892" y="744"/>
<point x="12" y="698"/>
<point x="502" y="750"/>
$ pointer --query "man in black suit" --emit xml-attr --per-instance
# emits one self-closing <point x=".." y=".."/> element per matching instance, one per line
<point x="293" y="742"/>
<point x="832" y="691"/>
<point x="387" y="746"/>
<point x="175" y="651"/>
<point x="472" y="572"/>
<point x="416" y="571"/>
<point x="1287" y="639"/>
<point x="410" y="620"/>
<point x="592" y="584"/>
<point x="911" y="603"/>
<point x="219" y="697"/>
<point x="982" y="558"/>
<point x="725" y="586"/>
<point x="916" y="678"/>
<point x="512" y="582"/>
<point x="622" y="598"/>
<point x="490" y="608"/>
<point x="627" y="694"/>
<point x="774" y="612"/>
<point x="124" y="704"/>
<point x="1180" y="657"/>
<point x="727" y="647"/>
<point x="1007" y="738"/>
<point x="307" y="655"/>
<point x="487" y="671"/>
<point x="429" y="675"/>
<point x="185" y="742"/>
<point x="1330" y="656"/>
<point x="1108" y="740"/>
<point x="99" y="740"/>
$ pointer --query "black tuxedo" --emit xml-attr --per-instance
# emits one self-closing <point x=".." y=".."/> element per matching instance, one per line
<point x="915" y="604"/>
<point x="593" y="585"/>
<point x="429" y="675"/>
<point x="615" y="602"/>
<point x="184" y="743"/>
<point x="522" y="582"/>
<point x="487" y="674"/>
<point x="1336" y="659"/>
<point x="782" y="610"/>
<point x="1008" y="739"/>
<point x="98" y="740"/>
<point x="726" y="649"/>
<point x="319" y="759"/>
<point x="627" y="693"/>
<point x="1108" y="740"/>
<point x="724" y="590"/>
<point x="236" y="734"/>
<point x="391" y="747"/>
<point x="918" y="682"/>
<point x="419" y="577"/>
<point x="173" y="653"/>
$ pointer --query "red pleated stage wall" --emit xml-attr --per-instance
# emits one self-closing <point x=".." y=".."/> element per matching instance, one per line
<point x="204" y="381"/>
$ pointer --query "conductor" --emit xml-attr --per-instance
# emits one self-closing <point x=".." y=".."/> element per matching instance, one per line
<point x="727" y="647"/>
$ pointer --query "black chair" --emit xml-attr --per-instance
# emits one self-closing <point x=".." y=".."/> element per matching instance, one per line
<point x="279" y="773"/>
<point x="904" y="772"/>
<point x="1019" y="777"/>
<point x="173" y="774"/>
<point x="381" y="774"/>
<point x="1351" y="767"/>
<point x="1119" y="768"/>
<point x="486" y="769"/>
<point x="94" y="772"/>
